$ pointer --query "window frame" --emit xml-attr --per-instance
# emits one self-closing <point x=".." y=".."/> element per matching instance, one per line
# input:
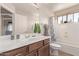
<point x="72" y="16"/>
<point x="78" y="15"/>
<point x="57" y="18"/>
<point x="67" y="17"/>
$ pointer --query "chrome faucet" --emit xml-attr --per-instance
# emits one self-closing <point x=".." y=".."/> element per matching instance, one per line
<point x="17" y="36"/>
<point x="12" y="37"/>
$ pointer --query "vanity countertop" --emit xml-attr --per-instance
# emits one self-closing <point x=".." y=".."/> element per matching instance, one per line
<point x="7" y="44"/>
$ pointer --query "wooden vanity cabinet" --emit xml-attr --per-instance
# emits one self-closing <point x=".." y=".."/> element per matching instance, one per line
<point x="33" y="53"/>
<point x="46" y="41"/>
<point x="1" y="54"/>
<point x="44" y="51"/>
<point x="40" y="48"/>
<point x="22" y="51"/>
<point x="35" y="46"/>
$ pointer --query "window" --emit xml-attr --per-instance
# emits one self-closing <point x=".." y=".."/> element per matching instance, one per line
<point x="60" y="20"/>
<point x="9" y="27"/>
<point x="76" y="17"/>
<point x="64" y="18"/>
<point x="70" y="18"/>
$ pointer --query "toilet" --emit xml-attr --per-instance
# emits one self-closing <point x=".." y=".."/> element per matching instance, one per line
<point x="54" y="48"/>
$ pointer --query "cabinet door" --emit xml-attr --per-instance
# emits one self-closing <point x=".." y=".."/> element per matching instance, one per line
<point x="35" y="46"/>
<point x="1" y="54"/>
<point x="34" y="53"/>
<point x="44" y="51"/>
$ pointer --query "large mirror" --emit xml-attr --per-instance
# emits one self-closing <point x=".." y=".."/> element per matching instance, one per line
<point x="6" y="22"/>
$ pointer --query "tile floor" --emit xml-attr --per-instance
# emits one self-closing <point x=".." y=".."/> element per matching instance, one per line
<point x="61" y="53"/>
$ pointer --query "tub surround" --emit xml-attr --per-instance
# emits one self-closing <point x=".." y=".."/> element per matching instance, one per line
<point x="6" y="45"/>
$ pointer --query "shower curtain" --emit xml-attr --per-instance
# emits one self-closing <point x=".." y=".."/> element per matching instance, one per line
<point x="51" y="29"/>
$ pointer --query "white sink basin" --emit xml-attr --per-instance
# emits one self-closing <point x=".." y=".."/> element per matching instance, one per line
<point x="27" y="39"/>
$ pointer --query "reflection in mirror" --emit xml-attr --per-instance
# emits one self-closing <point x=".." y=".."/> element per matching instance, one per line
<point x="6" y="22"/>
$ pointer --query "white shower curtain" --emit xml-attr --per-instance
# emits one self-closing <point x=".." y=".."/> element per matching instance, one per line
<point x="51" y="29"/>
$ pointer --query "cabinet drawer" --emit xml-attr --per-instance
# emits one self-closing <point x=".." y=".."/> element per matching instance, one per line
<point x="18" y="51"/>
<point x="46" y="41"/>
<point x="35" y="46"/>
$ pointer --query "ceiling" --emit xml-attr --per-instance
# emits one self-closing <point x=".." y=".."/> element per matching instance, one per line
<point x="44" y="8"/>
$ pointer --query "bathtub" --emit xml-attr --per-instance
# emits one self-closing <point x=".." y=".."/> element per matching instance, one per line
<point x="69" y="48"/>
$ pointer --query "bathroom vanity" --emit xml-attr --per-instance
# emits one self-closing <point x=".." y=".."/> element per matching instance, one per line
<point x="10" y="25"/>
<point x="26" y="47"/>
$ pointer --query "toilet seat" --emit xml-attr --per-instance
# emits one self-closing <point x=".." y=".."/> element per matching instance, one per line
<point x="55" y="46"/>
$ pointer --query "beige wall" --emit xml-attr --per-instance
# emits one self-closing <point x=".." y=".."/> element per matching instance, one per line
<point x="20" y="24"/>
<point x="31" y="19"/>
<point x="68" y="10"/>
<point x="68" y="33"/>
<point x="68" y="36"/>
